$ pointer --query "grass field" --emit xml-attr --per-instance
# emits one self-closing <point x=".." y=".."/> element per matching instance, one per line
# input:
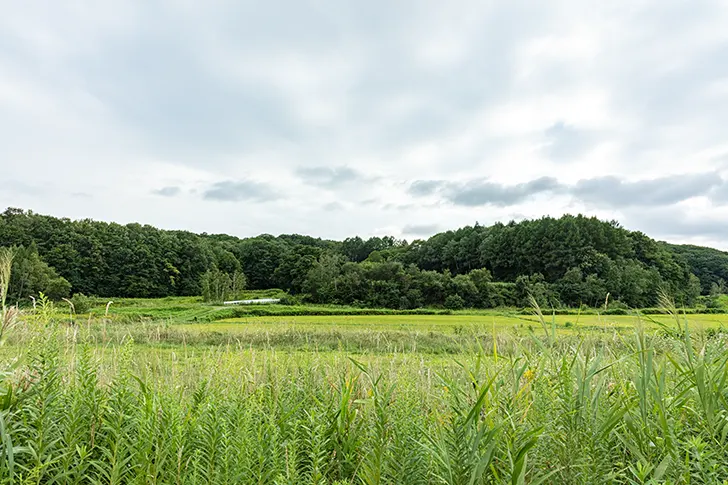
<point x="193" y="310"/>
<point x="568" y="323"/>
<point x="174" y="391"/>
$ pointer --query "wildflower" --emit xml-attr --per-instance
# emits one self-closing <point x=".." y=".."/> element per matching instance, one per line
<point x="529" y="375"/>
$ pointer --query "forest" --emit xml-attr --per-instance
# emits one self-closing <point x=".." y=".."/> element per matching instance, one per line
<point x="566" y="261"/>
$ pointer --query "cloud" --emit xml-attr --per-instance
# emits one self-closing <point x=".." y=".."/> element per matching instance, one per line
<point x="616" y="192"/>
<point x="483" y="192"/>
<point x="504" y="105"/>
<point x="333" y="206"/>
<point x="421" y="229"/>
<point x="566" y="143"/>
<point x="420" y="188"/>
<point x="328" y="177"/>
<point x="398" y="207"/>
<point x="719" y="192"/>
<point x="22" y="188"/>
<point x="722" y="159"/>
<point x="679" y="224"/>
<point x="599" y="192"/>
<point x="170" y="191"/>
<point x="477" y="193"/>
<point x="235" y="191"/>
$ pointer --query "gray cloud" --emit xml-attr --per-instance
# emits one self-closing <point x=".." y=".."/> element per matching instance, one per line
<point x="170" y="191"/>
<point x="615" y="192"/>
<point x="21" y="187"/>
<point x="332" y="206"/>
<point x="425" y="187"/>
<point x="673" y="223"/>
<point x="566" y="143"/>
<point x="328" y="177"/>
<point x="170" y="94"/>
<point x="719" y="193"/>
<point x="482" y="192"/>
<point x="477" y="193"/>
<point x="235" y="191"/>
<point x="602" y="192"/>
<point x="398" y="207"/>
<point x="421" y="229"/>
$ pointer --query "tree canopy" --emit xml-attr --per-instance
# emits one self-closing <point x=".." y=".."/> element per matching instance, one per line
<point x="571" y="260"/>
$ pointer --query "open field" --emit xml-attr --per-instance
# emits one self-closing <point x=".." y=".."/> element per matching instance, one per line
<point x="193" y="310"/>
<point x="169" y="322"/>
<point x="149" y="394"/>
<point x="568" y="323"/>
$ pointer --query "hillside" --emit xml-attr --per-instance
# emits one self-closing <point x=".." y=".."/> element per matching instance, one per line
<point x="708" y="264"/>
<point x="571" y="260"/>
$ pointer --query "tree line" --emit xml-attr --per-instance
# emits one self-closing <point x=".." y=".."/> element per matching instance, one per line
<point x="566" y="261"/>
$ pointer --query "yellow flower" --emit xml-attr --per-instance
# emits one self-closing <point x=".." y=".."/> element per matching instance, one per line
<point x="529" y="375"/>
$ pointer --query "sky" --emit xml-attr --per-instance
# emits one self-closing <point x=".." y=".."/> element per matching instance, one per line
<point x="337" y="119"/>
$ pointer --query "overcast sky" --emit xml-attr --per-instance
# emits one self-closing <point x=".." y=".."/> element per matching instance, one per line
<point x="341" y="118"/>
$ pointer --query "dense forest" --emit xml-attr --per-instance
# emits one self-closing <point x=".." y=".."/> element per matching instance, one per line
<point x="569" y="261"/>
<point x="708" y="264"/>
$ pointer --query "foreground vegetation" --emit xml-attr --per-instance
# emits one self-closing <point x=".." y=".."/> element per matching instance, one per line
<point x="181" y="391"/>
<point x="113" y="401"/>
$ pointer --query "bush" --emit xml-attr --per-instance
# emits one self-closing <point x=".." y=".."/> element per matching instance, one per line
<point x="616" y="307"/>
<point x="81" y="303"/>
<point x="290" y="300"/>
<point x="58" y="288"/>
<point x="711" y="302"/>
<point x="617" y="311"/>
<point x="454" y="302"/>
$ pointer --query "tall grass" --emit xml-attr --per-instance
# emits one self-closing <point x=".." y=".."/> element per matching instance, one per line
<point x="8" y="314"/>
<point x="609" y="408"/>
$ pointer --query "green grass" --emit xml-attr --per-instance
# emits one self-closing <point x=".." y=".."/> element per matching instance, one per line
<point x="481" y="398"/>
<point x="194" y="310"/>
<point x="569" y="323"/>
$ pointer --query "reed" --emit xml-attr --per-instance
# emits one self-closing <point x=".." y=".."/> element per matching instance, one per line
<point x="651" y="407"/>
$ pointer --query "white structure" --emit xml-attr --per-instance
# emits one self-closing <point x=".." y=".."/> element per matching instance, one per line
<point x="252" y="302"/>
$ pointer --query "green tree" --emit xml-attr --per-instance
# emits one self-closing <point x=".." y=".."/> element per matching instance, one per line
<point x="580" y="259"/>
<point x="463" y="287"/>
<point x="534" y="285"/>
<point x="454" y="302"/>
<point x="31" y="276"/>
<point x="321" y="281"/>
<point x="218" y="286"/>
<point x="482" y="280"/>
<point x="294" y="266"/>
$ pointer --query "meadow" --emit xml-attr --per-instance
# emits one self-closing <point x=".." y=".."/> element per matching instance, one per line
<point x="175" y="391"/>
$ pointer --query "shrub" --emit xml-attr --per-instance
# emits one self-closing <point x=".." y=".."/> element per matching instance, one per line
<point x="58" y="288"/>
<point x="454" y="302"/>
<point x="290" y="300"/>
<point x="81" y="303"/>
<point x="617" y="305"/>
